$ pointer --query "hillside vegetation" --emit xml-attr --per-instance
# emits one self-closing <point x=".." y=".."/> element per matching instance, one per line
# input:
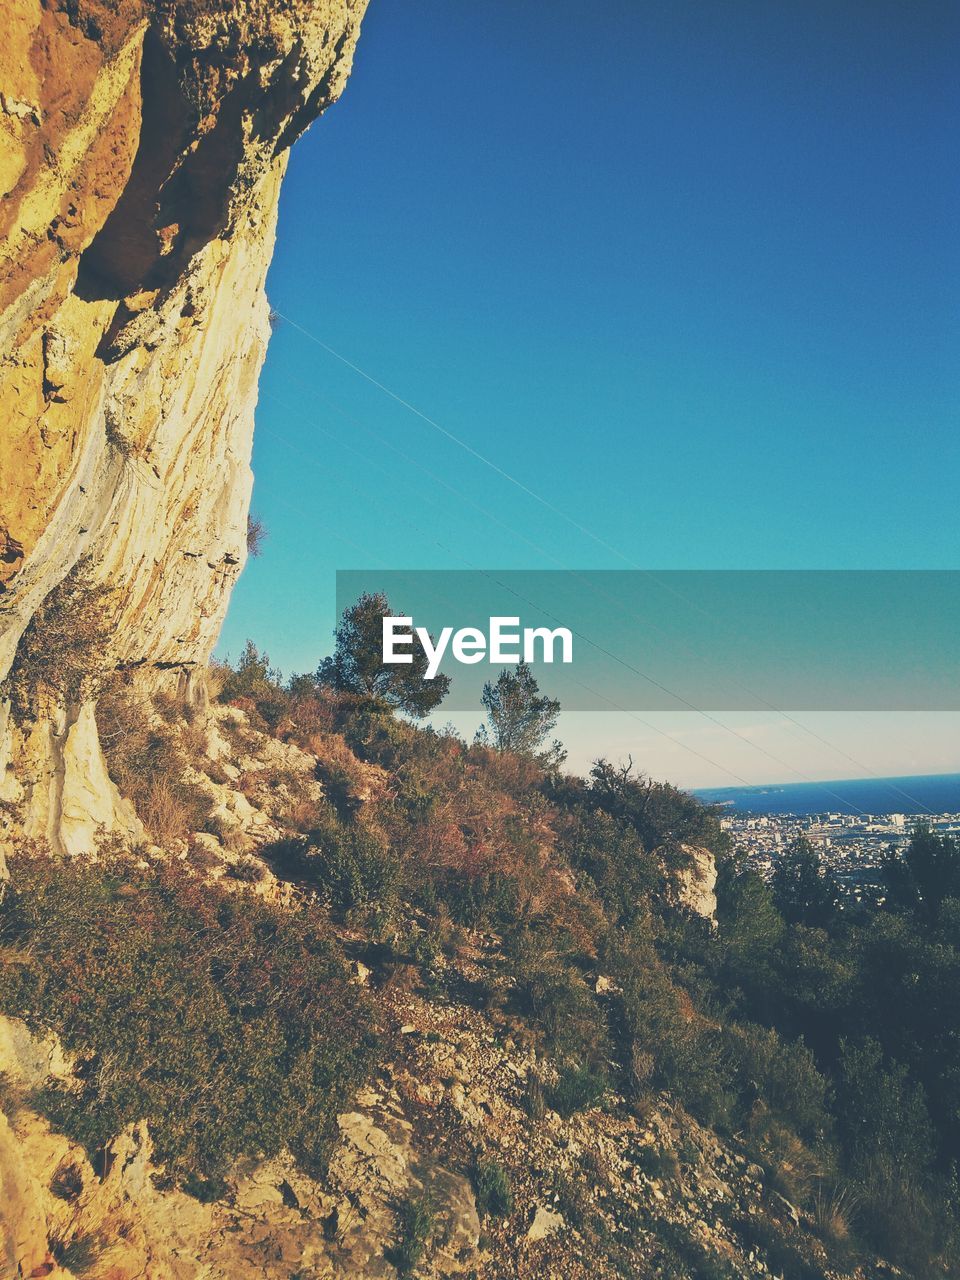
<point x="209" y="985"/>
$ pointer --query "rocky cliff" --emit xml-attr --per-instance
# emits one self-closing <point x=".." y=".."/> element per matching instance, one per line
<point x="142" y="147"/>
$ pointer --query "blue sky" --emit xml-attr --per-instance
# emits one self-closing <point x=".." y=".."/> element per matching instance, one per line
<point x="689" y="272"/>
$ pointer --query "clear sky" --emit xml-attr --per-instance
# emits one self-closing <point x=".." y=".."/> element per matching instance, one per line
<point x="688" y="272"/>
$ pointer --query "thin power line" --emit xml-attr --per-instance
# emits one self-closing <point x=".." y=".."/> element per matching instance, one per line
<point x="468" y="448"/>
<point x="608" y="653"/>
<point x="685" y="746"/>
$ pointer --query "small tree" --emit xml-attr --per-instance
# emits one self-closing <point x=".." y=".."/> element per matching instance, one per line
<point x="519" y="717"/>
<point x="252" y="677"/>
<point x="925" y="875"/>
<point x="357" y="664"/>
<point x="256" y="534"/>
<point x="803" y="891"/>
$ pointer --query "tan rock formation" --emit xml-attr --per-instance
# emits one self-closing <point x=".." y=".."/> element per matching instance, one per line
<point x="142" y="145"/>
<point x="696" y="883"/>
<point x="23" y="1228"/>
<point x="274" y="1222"/>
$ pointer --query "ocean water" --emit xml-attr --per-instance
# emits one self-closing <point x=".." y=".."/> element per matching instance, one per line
<point x="937" y="793"/>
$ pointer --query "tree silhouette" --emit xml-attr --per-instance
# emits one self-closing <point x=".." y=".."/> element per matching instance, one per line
<point x="803" y="891"/>
<point x="520" y="717"/>
<point x="357" y="664"/>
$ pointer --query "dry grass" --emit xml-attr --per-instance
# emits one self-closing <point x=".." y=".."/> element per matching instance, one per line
<point x="794" y="1170"/>
<point x="303" y="814"/>
<point x="77" y="1253"/>
<point x="240" y="736"/>
<point x="163" y="812"/>
<point x="833" y="1209"/>
<point x="215" y="678"/>
<point x="147" y="760"/>
<point x="202" y="858"/>
<point x="67" y="1183"/>
<point x="247" y="871"/>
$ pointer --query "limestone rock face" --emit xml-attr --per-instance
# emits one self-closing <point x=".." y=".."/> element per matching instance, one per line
<point x="142" y="146"/>
<point x="697" y="882"/>
<point x="23" y="1234"/>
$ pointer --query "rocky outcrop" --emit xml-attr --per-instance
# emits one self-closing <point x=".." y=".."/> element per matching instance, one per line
<point x="273" y="1222"/>
<point x="142" y="146"/>
<point x="696" y="881"/>
<point x="609" y="1191"/>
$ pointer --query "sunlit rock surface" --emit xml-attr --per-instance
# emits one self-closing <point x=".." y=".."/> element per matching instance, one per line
<point x="142" y="146"/>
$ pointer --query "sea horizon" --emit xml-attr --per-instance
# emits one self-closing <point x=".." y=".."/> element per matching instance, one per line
<point x="911" y="794"/>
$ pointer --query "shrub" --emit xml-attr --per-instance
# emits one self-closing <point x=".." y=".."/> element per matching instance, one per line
<point x="247" y="871"/>
<point x="416" y="1223"/>
<point x="560" y="1002"/>
<point x="882" y="1112"/>
<point x="67" y="1182"/>
<point x="833" y="1209"/>
<point x="350" y="866"/>
<point x="658" y="1162"/>
<point x="609" y="851"/>
<point x="493" y="1189"/>
<point x="255" y="680"/>
<point x="793" y="1168"/>
<point x="256" y="535"/>
<point x="171" y="809"/>
<point x="902" y="1213"/>
<point x="61" y="652"/>
<point x="147" y="762"/>
<point x="11" y="1095"/>
<point x="550" y="991"/>
<point x="659" y="1019"/>
<point x="78" y="1254"/>
<point x="535" y="1100"/>
<point x="228" y="1025"/>
<point x="576" y="1089"/>
<point x="661" y="814"/>
<point x="785" y="1076"/>
<point x="783" y="1256"/>
<point x="682" y="1254"/>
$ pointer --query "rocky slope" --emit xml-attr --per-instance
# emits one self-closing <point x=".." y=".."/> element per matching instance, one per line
<point x="461" y="1101"/>
<point x="601" y="1193"/>
<point x="142" y="146"/>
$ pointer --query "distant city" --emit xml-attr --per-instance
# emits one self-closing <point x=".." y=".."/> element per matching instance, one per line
<point x="854" y="824"/>
<point x="854" y="847"/>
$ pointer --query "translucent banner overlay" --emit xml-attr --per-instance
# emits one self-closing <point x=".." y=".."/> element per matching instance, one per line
<point x="816" y="640"/>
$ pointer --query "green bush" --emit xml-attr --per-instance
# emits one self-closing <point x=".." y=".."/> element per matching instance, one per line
<point x="416" y="1223"/>
<point x="225" y="1023"/>
<point x="493" y="1189"/>
<point x="611" y="852"/>
<point x="253" y="681"/>
<point x="556" y="998"/>
<point x="786" y="1077"/>
<point x="350" y="866"/>
<point x="577" y="1089"/>
<point x="688" y="1052"/>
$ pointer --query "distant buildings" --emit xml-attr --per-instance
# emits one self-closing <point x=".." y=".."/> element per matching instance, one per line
<point x="854" y="847"/>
